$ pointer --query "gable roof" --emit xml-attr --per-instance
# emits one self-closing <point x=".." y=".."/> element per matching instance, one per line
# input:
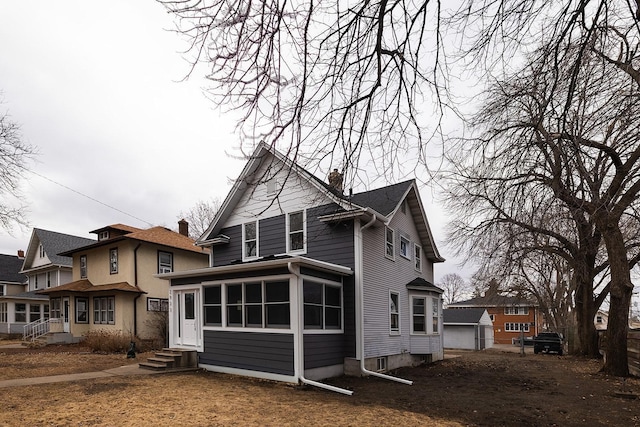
<point x="379" y="204"/>
<point x="494" y="300"/>
<point x="10" y="266"/>
<point x="462" y="315"/>
<point x="54" y="244"/>
<point x="158" y="235"/>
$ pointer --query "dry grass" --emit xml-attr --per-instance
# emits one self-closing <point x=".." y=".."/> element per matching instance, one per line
<point x="476" y="389"/>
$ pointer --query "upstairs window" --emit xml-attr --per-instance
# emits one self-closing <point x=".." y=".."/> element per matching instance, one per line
<point x="417" y="258"/>
<point x="250" y="240"/>
<point x="295" y="231"/>
<point x="390" y="250"/>
<point x="41" y="251"/>
<point x="113" y="261"/>
<point x="405" y="244"/>
<point x="36" y="281"/>
<point x="103" y="235"/>
<point x="1" y="290"/>
<point x="48" y="279"/>
<point x="165" y="262"/>
<point x="516" y="311"/>
<point x="83" y="266"/>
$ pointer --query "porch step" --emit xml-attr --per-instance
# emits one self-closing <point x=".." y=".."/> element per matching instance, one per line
<point x="172" y="359"/>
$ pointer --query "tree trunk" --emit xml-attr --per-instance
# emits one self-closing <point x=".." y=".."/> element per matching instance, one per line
<point x="616" y="361"/>
<point x="585" y="313"/>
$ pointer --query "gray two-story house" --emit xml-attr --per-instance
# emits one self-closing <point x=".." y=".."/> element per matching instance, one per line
<point x="305" y="282"/>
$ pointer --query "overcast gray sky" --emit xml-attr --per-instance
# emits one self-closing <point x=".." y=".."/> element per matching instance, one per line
<point x="95" y="86"/>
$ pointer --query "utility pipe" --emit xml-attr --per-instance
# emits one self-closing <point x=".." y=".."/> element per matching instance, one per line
<point x="301" y="340"/>
<point x="360" y="303"/>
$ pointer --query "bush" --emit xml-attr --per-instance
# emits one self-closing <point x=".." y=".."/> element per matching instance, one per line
<point x="105" y="341"/>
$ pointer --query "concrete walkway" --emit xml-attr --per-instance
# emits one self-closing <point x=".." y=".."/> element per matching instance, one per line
<point x="126" y="370"/>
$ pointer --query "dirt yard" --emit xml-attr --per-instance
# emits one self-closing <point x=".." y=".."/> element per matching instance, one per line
<point x="476" y="389"/>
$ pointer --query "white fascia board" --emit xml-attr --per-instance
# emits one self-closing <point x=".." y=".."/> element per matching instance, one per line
<point x="259" y="265"/>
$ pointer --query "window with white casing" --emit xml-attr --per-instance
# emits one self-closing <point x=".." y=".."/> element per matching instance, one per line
<point x="435" y="313"/>
<point x="516" y="327"/>
<point x="259" y="304"/>
<point x="82" y="310"/>
<point x="3" y="312"/>
<point x="418" y="315"/>
<point x="296" y="232"/>
<point x="417" y="257"/>
<point x="41" y="251"/>
<point x="250" y="240"/>
<point x="322" y="306"/>
<point x="389" y="238"/>
<point x="515" y="310"/>
<point x="394" y="313"/>
<point x="405" y="244"/>
<point x="165" y="262"/>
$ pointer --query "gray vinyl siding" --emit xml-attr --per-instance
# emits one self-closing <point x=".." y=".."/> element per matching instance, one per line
<point x="272" y="236"/>
<point x="382" y="275"/>
<point x="323" y="350"/>
<point x="254" y="351"/>
<point x="329" y="242"/>
<point x="232" y="251"/>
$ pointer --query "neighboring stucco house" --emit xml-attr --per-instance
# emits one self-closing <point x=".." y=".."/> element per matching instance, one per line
<point x="43" y="268"/>
<point x="113" y="285"/>
<point x="467" y="329"/>
<point x="306" y="282"/>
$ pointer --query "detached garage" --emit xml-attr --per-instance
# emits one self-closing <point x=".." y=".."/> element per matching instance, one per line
<point x="467" y="329"/>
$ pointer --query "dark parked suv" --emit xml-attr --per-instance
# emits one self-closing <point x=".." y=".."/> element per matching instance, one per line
<point x="549" y="342"/>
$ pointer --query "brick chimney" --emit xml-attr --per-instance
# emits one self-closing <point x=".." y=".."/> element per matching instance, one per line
<point x="335" y="181"/>
<point x="183" y="227"/>
<point x="20" y="254"/>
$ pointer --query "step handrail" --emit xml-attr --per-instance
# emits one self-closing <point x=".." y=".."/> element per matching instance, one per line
<point x="34" y="330"/>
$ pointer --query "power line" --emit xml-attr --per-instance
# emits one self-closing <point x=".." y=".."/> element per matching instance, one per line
<point x="91" y="198"/>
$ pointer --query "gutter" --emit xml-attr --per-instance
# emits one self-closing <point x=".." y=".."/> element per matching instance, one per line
<point x="301" y="341"/>
<point x="359" y="285"/>
<point x="135" y="280"/>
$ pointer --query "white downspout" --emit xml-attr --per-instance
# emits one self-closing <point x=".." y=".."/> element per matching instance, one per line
<point x="359" y="285"/>
<point x="301" y="341"/>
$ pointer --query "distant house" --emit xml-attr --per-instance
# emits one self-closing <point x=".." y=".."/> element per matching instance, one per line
<point x="511" y="316"/>
<point x="601" y="320"/>
<point x="12" y="286"/>
<point x="305" y="282"/>
<point x="467" y="329"/>
<point x="113" y="285"/>
<point x="42" y="268"/>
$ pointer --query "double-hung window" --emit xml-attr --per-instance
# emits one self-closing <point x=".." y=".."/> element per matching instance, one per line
<point x="435" y="314"/>
<point x="54" y="308"/>
<point x="34" y="312"/>
<point x="389" y="237"/>
<point x="48" y="275"/>
<point x="82" y="310"/>
<point x="104" y="310"/>
<point x="394" y="313"/>
<point x="405" y="244"/>
<point x="250" y="240"/>
<point x="165" y="262"/>
<point x="295" y="231"/>
<point x="3" y="312"/>
<point x="417" y="257"/>
<point x="113" y="261"/>
<point x="21" y="312"/>
<point x="322" y="306"/>
<point x="83" y="266"/>
<point x="419" y="315"/>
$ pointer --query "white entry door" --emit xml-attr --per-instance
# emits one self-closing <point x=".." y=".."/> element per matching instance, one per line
<point x="187" y="305"/>
<point x="65" y="314"/>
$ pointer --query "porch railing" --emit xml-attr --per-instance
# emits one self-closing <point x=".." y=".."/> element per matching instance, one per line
<point x="38" y="328"/>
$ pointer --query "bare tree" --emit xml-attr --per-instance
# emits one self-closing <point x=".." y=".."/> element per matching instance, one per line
<point x="455" y="288"/>
<point x="200" y="216"/>
<point x="567" y="136"/>
<point x="14" y="158"/>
